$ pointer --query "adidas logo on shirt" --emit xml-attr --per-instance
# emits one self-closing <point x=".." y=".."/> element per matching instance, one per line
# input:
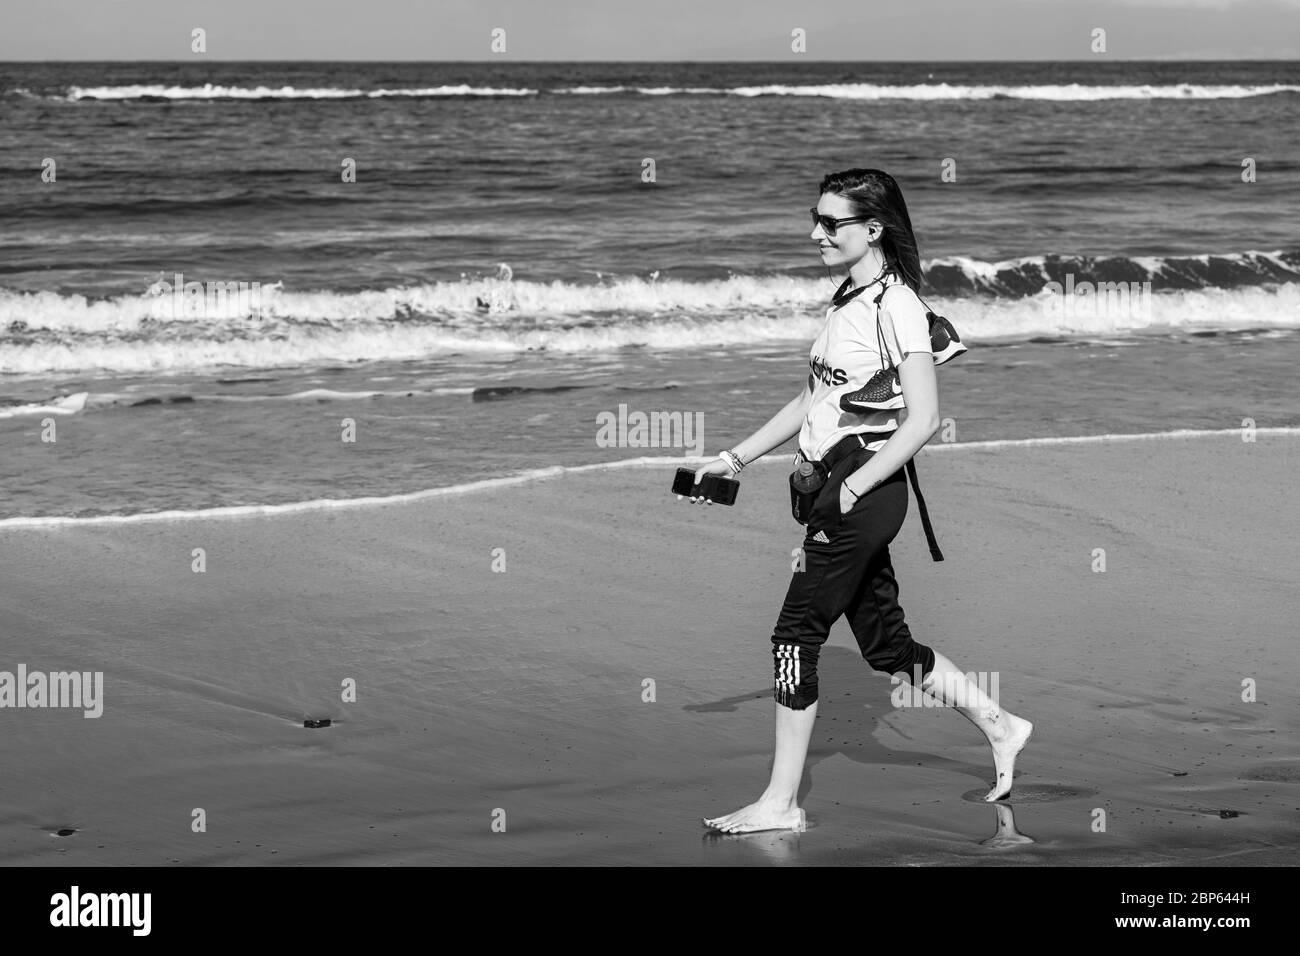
<point x="821" y="536"/>
<point x="827" y="374"/>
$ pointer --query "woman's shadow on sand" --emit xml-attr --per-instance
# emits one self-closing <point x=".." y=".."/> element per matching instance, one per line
<point x="851" y="706"/>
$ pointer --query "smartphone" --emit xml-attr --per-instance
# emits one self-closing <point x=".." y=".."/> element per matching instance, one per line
<point x="719" y="490"/>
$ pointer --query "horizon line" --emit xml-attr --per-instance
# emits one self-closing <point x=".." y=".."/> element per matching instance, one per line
<point x="497" y="59"/>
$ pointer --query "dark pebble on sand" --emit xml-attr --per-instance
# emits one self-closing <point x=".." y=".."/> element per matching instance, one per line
<point x="65" y="831"/>
<point x="313" y="724"/>
<point x="1227" y="814"/>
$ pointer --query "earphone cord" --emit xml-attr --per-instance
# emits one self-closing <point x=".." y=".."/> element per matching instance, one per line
<point x="829" y="275"/>
<point x="885" y="354"/>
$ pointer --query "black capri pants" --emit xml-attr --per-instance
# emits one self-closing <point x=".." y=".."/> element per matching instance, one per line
<point x="847" y="572"/>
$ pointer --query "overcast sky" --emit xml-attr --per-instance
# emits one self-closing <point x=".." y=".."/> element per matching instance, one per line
<point x="649" y="29"/>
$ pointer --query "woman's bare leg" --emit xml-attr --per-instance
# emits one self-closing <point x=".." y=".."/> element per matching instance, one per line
<point x="778" y="808"/>
<point x="1006" y="733"/>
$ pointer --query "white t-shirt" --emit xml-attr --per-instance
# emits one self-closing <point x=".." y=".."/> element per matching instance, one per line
<point x="845" y="355"/>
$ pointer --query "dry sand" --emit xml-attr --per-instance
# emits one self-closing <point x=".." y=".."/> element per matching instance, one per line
<point x="522" y="691"/>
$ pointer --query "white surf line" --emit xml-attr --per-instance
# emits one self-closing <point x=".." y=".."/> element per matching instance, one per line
<point x="318" y="504"/>
<point x="1137" y="436"/>
<point x="965" y="445"/>
<point x="556" y="471"/>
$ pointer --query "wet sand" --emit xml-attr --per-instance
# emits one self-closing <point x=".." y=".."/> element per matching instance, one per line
<point x="480" y="691"/>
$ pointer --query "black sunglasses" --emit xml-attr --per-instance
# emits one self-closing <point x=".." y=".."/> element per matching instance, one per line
<point x="829" y="224"/>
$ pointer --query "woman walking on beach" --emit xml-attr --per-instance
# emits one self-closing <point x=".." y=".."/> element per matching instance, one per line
<point x="861" y="435"/>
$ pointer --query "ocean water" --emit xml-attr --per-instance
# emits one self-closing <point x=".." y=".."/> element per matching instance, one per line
<point x="499" y="279"/>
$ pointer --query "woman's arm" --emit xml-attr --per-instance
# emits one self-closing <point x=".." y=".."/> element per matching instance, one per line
<point x="779" y="429"/>
<point x="921" y="395"/>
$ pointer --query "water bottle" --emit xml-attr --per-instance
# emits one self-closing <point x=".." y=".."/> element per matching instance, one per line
<point x="805" y="482"/>
<point x="806" y="477"/>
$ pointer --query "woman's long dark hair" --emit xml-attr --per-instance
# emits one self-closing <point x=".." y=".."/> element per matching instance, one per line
<point x="873" y="192"/>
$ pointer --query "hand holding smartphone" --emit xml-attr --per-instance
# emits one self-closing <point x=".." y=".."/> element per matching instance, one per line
<point x="713" y="488"/>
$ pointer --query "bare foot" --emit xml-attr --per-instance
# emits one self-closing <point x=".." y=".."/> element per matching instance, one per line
<point x="761" y="815"/>
<point x="1009" y="743"/>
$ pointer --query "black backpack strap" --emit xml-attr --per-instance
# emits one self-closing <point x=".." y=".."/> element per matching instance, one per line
<point x="930" y="539"/>
<point x="886" y="356"/>
<point x="935" y="553"/>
